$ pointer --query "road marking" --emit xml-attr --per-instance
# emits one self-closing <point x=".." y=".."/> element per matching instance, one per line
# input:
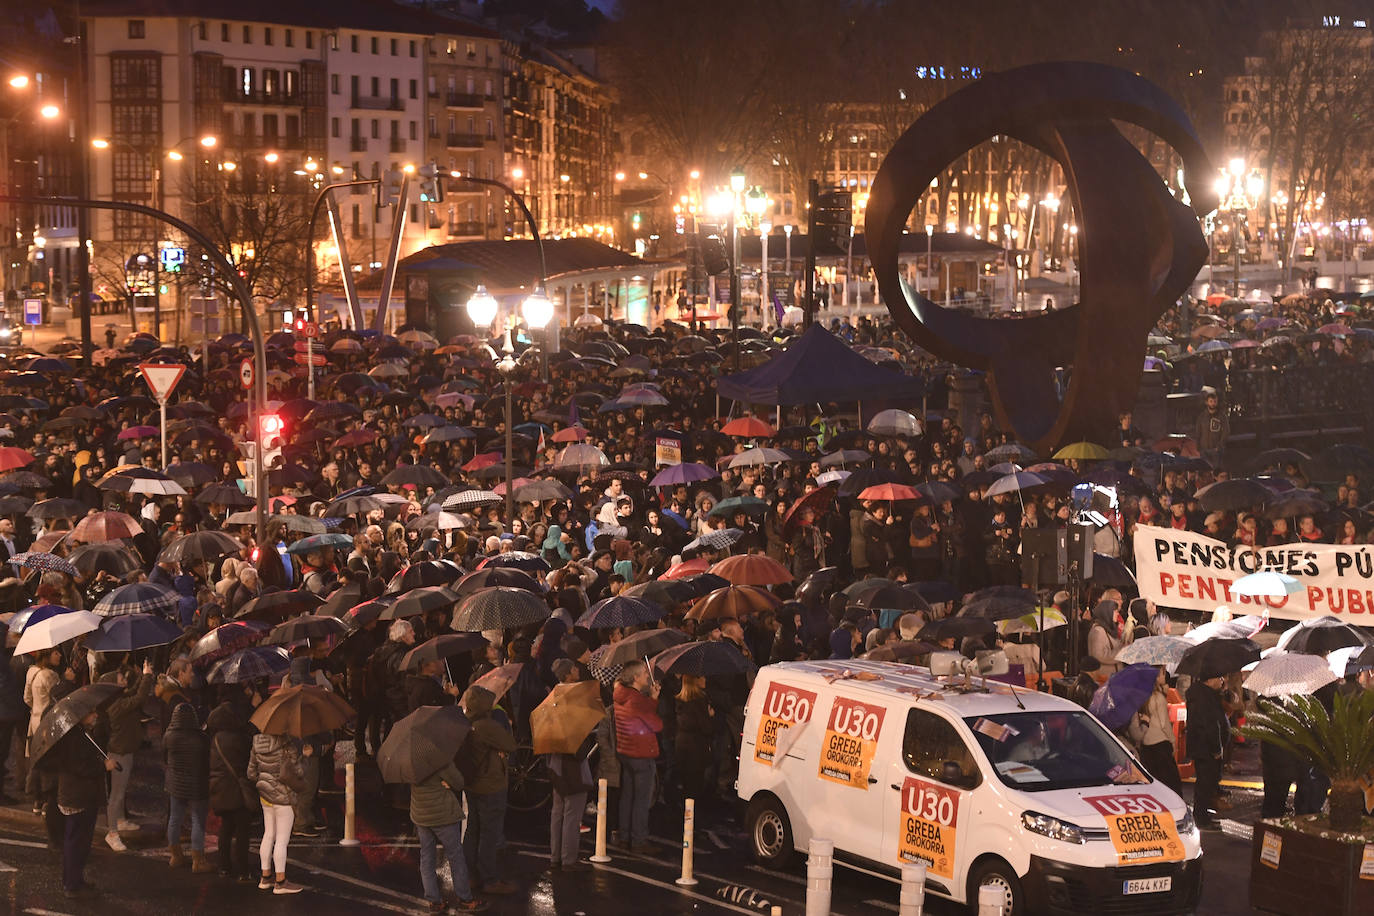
<point x="7" y="868"/>
<point x="883" y="904"/>
<point x="35" y="911"/>
<point x="27" y="844"/>
<point x="644" y="879"/>
<point x="357" y="882"/>
<point x="786" y="876"/>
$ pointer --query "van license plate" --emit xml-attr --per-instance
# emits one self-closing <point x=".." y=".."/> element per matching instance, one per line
<point x="1148" y="885"/>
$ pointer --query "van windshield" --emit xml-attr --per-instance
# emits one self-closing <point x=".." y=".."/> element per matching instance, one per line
<point x="1043" y="751"/>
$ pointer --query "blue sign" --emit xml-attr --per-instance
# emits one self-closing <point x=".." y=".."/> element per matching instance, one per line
<point x="173" y="259"/>
<point x="33" y="311"/>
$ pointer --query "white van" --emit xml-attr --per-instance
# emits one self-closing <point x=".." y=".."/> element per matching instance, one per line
<point x="988" y="785"/>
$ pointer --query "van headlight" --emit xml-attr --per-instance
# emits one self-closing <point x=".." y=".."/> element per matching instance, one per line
<point x="1052" y="827"/>
<point x="1186" y="824"/>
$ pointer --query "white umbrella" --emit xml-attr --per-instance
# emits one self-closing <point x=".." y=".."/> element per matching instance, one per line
<point x="753" y="457"/>
<point x="1237" y="628"/>
<point x="894" y="423"/>
<point x="56" y="630"/>
<point x="1285" y="675"/>
<point x="825" y="478"/>
<point x="1339" y="659"/>
<point x="1014" y="482"/>
<point x="1266" y="584"/>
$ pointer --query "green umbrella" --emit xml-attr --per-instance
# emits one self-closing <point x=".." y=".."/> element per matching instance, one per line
<point x="750" y="504"/>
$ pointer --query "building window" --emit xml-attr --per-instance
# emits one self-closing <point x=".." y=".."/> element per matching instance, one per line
<point x="395" y="46"/>
<point x="413" y="50"/>
<point x="224" y="31"/>
<point x="395" y="91"/>
<point x="334" y="83"/>
<point x="471" y="50"/>
<point x="290" y="83"/>
<point x="248" y="34"/>
<point x="334" y="127"/>
<point x="267" y="35"/>
<point x="374" y="44"/>
<point x="433" y="126"/>
<point x="414" y="213"/>
<point x="414" y="130"/>
<point x="137" y="28"/>
<point x="375" y="129"/>
<point x="270" y="83"/>
<point x="356" y="133"/>
<point x="353" y="43"/>
<point x="290" y="38"/>
<point x="376" y="87"/>
<point x="488" y="89"/>
<point x="452" y="47"/>
<point x="432" y="86"/>
<point x="246" y="82"/>
<point x="310" y="40"/>
<point x="414" y="89"/>
<point x="201" y="30"/>
<point x="491" y="130"/>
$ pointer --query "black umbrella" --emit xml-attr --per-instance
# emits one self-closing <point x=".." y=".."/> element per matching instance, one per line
<point x="57" y="507"/>
<point x="441" y="648"/>
<point x="891" y="597"/>
<point x="541" y="490"/>
<point x="341" y="599"/>
<point x="490" y="576"/>
<point x="305" y="628"/>
<point x="665" y="592"/>
<point x="703" y="659"/>
<point x="110" y="556"/>
<point x="419" y="475"/>
<point x="226" y="639"/>
<point x="1234" y="495"/>
<point x="353" y="505"/>
<point x="422" y="744"/>
<point x="704" y="583"/>
<point x="224" y="494"/>
<point x="67" y="713"/>
<point x="1320" y="637"/>
<point x="199" y="546"/>
<point x="956" y="628"/>
<point x="621" y="611"/>
<point x="279" y="605"/>
<point x="131" y="632"/>
<point x="426" y="573"/>
<point x="518" y="559"/>
<point x="499" y="609"/>
<point x="1216" y="657"/>
<point x="419" y="601"/>
<point x="251" y="664"/>
<point x="938" y="492"/>
<point x="360" y="615"/>
<point x="192" y="473"/>
<point x="641" y="645"/>
<point x="1110" y="572"/>
<point x="1293" y="503"/>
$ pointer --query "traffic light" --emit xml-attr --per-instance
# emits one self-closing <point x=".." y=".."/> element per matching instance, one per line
<point x="300" y="325"/>
<point x="393" y="185"/>
<point x="271" y="438"/>
<point x="431" y="184"/>
<point x="830" y="222"/>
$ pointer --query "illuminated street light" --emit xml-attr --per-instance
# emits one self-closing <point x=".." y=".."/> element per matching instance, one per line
<point x="19" y="81"/>
<point x="271" y="158"/>
<point x="481" y="307"/>
<point x="50" y="111"/>
<point x="100" y="143"/>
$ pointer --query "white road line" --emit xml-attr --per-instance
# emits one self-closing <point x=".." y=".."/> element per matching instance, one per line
<point x="357" y="882"/>
<point x="27" y="844"/>
<point x="644" y="879"/>
<point x="883" y="904"/>
<point x="35" y="911"/>
<point x="773" y="873"/>
<point x="6" y="868"/>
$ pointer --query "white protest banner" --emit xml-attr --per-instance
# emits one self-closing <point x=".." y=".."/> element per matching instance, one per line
<point x="1180" y="569"/>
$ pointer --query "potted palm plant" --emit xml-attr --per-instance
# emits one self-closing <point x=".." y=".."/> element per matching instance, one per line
<point x="1298" y="863"/>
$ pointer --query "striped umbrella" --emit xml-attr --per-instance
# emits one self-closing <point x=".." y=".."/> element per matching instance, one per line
<point x="499" y="608"/>
<point x="138" y="598"/>
<point x="256" y="663"/>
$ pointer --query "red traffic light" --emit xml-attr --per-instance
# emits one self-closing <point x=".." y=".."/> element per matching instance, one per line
<point x="270" y="424"/>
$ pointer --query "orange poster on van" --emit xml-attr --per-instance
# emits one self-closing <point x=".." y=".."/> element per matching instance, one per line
<point x="1141" y="828"/>
<point x="851" y="741"/>
<point x="928" y="826"/>
<point x="783" y="708"/>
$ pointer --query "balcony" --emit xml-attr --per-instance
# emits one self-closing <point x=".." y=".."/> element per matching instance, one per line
<point x="378" y="103"/>
<point x="357" y="144"/>
<point x="398" y="145"/>
<point x="464" y="100"/>
<point x="466" y="229"/>
<point x="464" y="141"/>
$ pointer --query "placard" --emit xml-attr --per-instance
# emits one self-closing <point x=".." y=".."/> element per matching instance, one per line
<point x="851" y="741"/>
<point x="783" y="707"/>
<point x="928" y="827"/>
<point x="1367" y="863"/>
<point x="1141" y="828"/>
<point x="667" y="451"/>
<point x="1271" y="847"/>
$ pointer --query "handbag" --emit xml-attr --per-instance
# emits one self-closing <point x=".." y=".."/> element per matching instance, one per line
<point x="246" y="788"/>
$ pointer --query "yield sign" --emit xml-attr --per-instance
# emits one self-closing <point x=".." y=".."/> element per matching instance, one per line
<point x="162" y="377"/>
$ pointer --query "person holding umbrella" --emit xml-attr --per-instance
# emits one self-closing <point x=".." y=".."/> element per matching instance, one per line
<point x="482" y="760"/>
<point x="1157" y="741"/>
<point x="275" y="768"/>
<point x="569" y="773"/>
<point x="1208" y="727"/>
<point x="125" y="717"/>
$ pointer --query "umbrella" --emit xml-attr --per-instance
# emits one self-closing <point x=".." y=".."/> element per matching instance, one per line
<point x="67" y="713"/>
<point x="422" y="744"/>
<point x="226" y="639"/>
<point x="57" y="507"/>
<point x="894" y="423"/>
<point x="517" y="559"/>
<point x="934" y="591"/>
<point x="1155" y="650"/>
<point x="892" y="492"/>
<point x="471" y="499"/>
<point x="621" y="611"/>
<point x="319" y="542"/>
<point x="686" y="568"/>
<point x="496" y="575"/>
<point x="722" y="539"/>
<point x="754" y="457"/>
<point x="499" y="608"/>
<point x="345" y="506"/>
<point x="224" y="494"/>
<point x="442" y="648"/>
<point x="499" y="680"/>
<point x="360" y="615"/>
<point x="1111" y="572"/>
<point x="999" y="604"/>
<point x="1082" y="451"/>
<point x="111" y="557"/>
<point x="890" y="597"/>
<point x="35" y="613"/>
<point x="562" y="722"/>
<point x="45" y="561"/>
<point x="419" y="601"/>
<point x="199" y="546"/>
<point x="301" y="711"/>
<point x="1014" y="483"/>
<point x="864" y="478"/>
<point x="644" y="644"/>
<point x="131" y="632"/>
<point x="1266" y="584"/>
<point x="279" y="605"/>
<point x="1030" y="622"/>
<point x="1282" y="675"/>
<point x="11" y="457"/>
<point x="106" y="526"/>
<point x="703" y="659"/>
<point x="1115" y="702"/>
<point x="686" y="473"/>
<point x="305" y="628"/>
<point x="191" y="473"/>
<point x="748" y="428"/>
<point x="423" y="574"/>
<point x="1234" y="495"/>
<point x="1013" y="452"/>
<point x="956" y="628"/>
<point x="844" y="456"/>
<point x="734" y="601"/>
<point x="138" y="598"/>
<point x="1321" y="635"/>
<point x="258" y="662"/>
<point x="581" y="457"/>
<point x="826" y="478"/>
<point x="752" y="569"/>
<point x="574" y="433"/>
<point x="855" y="590"/>
<point x="1294" y="503"/>
<point x="1238" y="628"/>
<point x="540" y="490"/>
<point x="667" y="592"/>
<point x="56" y="630"/>
<point x="938" y="492"/>
<point x="1218" y="656"/>
<point x="750" y="505"/>
<point x="819" y="501"/>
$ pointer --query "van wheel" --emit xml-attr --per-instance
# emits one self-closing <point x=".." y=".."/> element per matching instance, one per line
<point x="770" y="833"/>
<point x="998" y="874"/>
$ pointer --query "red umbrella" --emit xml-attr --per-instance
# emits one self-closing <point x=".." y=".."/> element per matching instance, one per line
<point x="485" y="460"/>
<point x="500" y="488"/>
<point x="688" y="568"/>
<point x="106" y="526"/>
<point x="570" y="434"/>
<point x="11" y="458"/>
<point x="752" y="569"/>
<point x="819" y="500"/>
<point x="138" y="432"/>
<point x="892" y="492"/>
<point x="748" y="428"/>
<point x="356" y="438"/>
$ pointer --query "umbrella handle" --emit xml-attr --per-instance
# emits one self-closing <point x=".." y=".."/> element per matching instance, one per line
<point x="103" y="755"/>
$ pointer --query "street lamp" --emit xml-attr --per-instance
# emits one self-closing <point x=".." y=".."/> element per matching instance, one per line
<point x="1238" y="193"/>
<point x="482" y="308"/>
<point x="538" y="312"/>
<point x="765" y="227"/>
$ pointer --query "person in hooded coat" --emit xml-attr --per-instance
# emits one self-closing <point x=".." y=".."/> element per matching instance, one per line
<point x="1104" y="638"/>
<point x="186" y="752"/>
<point x="482" y="760"/>
<point x="232" y="799"/>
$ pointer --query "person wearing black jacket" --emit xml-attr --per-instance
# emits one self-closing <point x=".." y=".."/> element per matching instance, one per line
<point x="187" y="754"/>
<point x="14" y="715"/>
<point x="233" y="801"/>
<point x="424" y="688"/>
<point x="1207" y="730"/>
<point x="81" y="772"/>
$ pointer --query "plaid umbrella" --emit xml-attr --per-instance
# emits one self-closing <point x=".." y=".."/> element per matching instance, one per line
<point x="471" y="499"/>
<point x="36" y="613"/>
<point x="55" y="630"/>
<point x="301" y="711"/>
<point x="442" y="647"/>
<point x="226" y="639"/>
<point x="138" y="598"/>
<point x="132" y="632"/>
<point x="279" y="605"/>
<point x="419" y="601"/>
<point x="305" y="628"/>
<point x="508" y="576"/>
<point x="57" y="507"/>
<point x="621" y="611"/>
<point x="499" y="608"/>
<point x="112" y="557"/>
<point x="199" y="546"/>
<point x="45" y="561"/>
<point x="517" y="559"/>
<point x="722" y="539"/>
<point x="427" y="573"/>
<point x="703" y="659"/>
<point x="251" y="664"/>
<point x="106" y="526"/>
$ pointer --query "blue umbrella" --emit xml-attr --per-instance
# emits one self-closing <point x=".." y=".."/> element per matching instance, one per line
<point x="319" y="542"/>
<point x="36" y="614"/>
<point x="621" y="611"/>
<point x="130" y="632"/>
<point x="1122" y="696"/>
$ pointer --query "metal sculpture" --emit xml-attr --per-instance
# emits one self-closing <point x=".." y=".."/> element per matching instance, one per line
<point x="1139" y="247"/>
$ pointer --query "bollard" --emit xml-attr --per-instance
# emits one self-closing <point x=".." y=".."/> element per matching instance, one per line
<point x="819" y="868"/>
<point x="350" y="835"/>
<point x="688" y="843"/>
<point x="775" y="911"/>
<point x="990" y="900"/>
<point x="600" y="855"/>
<point x="912" y="900"/>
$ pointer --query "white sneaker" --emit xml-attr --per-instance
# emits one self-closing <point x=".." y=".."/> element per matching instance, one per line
<point x="113" y="841"/>
<point x="286" y="887"/>
<point x="127" y="826"/>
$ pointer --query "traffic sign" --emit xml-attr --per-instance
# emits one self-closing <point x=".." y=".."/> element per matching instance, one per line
<point x="311" y="330"/>
<point x="302" y="346"/>
<point x="162" y="377"/>
<point x="246" y="372"/>
<point x="316" y="359"/>
<point x="33" y="311"/>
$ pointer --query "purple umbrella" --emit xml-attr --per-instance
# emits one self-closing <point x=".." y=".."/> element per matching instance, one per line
<point x="689" y="472"/>
<point x="1124" y="693"/>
